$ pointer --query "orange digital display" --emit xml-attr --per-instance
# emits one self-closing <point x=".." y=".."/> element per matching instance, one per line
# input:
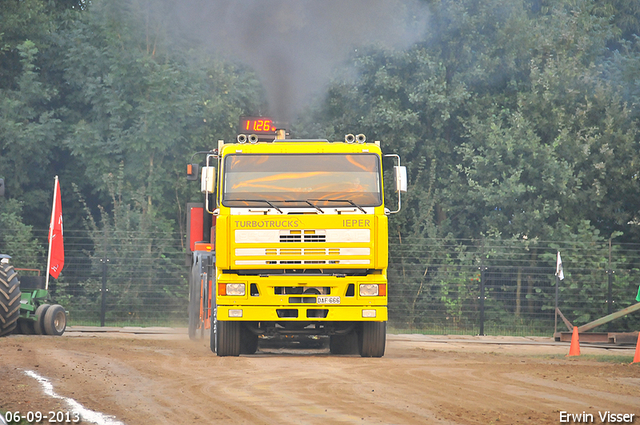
<point x="257" y="125"/>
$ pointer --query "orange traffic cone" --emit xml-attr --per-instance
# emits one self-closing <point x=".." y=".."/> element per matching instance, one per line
<point x="574" y="350"/>
<point x="636" y="358"/>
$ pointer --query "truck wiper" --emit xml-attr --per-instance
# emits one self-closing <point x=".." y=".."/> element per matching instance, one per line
<point x="306" y="201"/>
<point x="341" y="200"/>
<point x="258" y="200"/>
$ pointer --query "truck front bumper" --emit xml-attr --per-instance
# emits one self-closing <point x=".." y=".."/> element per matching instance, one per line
<point x="302" y="313"/>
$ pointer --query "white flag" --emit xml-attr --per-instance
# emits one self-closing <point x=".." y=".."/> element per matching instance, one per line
<point x="559" y="271"/>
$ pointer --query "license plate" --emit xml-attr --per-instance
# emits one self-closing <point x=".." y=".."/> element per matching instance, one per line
<point x="328" y="300"/>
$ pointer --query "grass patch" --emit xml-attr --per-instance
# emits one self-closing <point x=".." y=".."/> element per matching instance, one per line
<point x="131" y="323"/>
<point x="488" y="331"/>
<point x="491" y="328"/>
<point x="603" y="358"/>
<point x="430" y="330"/>
<point x="614" y="358"/>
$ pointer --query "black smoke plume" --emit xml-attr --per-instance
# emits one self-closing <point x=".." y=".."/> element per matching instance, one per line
<point x="295" y="45"/>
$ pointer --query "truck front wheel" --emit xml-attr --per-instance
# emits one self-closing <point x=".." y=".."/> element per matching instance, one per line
<point x="228" y="337"/>
<point x="372" y="339"/>
<point x="9" y="299"/>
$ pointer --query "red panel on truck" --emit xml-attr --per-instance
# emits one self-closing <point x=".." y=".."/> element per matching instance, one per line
<point x="195" y="214"/>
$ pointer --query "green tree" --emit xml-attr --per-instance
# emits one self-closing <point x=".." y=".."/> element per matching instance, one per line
<point x="134" y="101"/>
<point x="511" y="125"/>
<point x="17" y="239"/>
<point x="144" y="263"/>
<point x="30" y="126"/>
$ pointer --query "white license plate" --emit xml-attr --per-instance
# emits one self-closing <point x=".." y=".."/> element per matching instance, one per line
<point x="328" y="300"/>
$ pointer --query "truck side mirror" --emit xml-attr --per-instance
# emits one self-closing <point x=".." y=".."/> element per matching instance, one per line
<point x="208" y="180"/>
<point x="401" y="178"/>
<point x="192" y="171"/>
<point x="400" y="174"/>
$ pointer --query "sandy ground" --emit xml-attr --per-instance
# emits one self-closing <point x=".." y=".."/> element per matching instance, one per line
<point x="164" y="378"/>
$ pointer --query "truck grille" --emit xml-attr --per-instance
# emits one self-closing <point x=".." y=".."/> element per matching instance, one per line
<point x="307" y="235"/>
<point x="244" y="252"/>
<point x="303" y="238"/>
<point x="323" y="247"/>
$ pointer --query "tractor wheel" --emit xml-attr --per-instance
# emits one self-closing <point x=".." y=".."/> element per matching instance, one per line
<point x="344" y="344"/>
<point x="248" y="342"/>
<point x="55" y="320"/>
<point x="228" y="337"/>
<point x="9" y="299"/>
<point x="26" y="326"/>
<point x="372" y="339"/>
<point x="38" y="325"/>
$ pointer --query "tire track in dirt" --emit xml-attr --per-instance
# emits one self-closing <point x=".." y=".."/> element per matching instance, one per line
<point x="306" y="395"/>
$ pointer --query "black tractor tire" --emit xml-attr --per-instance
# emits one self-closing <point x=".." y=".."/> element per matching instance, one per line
<point x="38" y="325"/>
<point x="26" y="326"/>
<point x="372" y="339"/>
<point x="228" y="338"/>
<point x="344" y="344"/>
<point x="248" y="341"/>
<point x="55" y="320"/>
<point x="9" y="299"/>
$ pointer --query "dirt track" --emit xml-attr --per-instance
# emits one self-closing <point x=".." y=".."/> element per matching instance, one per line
<point x="168" y="379"/>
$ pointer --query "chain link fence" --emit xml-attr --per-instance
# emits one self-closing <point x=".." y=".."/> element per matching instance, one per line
<point x="439" y="286"/>
<point x="509" y="287"/>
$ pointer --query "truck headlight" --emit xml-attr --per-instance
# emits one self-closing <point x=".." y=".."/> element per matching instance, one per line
<point x="235" y="289"/>
<point x="368" y="290"/>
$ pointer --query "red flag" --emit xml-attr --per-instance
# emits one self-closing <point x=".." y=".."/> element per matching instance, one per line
<point x="56" y="246"/>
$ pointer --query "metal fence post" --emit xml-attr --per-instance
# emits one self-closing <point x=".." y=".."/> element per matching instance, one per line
<point x="482" y="269"/>
<point x="103" y="304"/>
<point x="610" y="289"/>
<point x="555" y="323"/>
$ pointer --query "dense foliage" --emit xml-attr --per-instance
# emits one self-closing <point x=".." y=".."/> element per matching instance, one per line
<point x="517" y="119"/>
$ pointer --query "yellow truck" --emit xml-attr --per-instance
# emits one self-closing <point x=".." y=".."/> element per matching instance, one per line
<point x="294" y="241"/>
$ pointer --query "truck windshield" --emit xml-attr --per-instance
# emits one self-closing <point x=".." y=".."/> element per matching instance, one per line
<point x="326" y="179"/>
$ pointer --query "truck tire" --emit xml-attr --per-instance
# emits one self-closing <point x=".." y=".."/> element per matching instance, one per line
<point x="228" y="337"/>
<point x="344" y="344"/>
<point x="38" y="325"/>
<point x="194" y="302"/>
<point x="55" y="320"/>
<point x="204" y="302"/>
<point x="9" y="299"/>
<point x="372" y="339"/>
<point x="213" y="339"/>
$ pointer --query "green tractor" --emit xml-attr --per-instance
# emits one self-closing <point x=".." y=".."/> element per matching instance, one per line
<point x="25" y="306"/>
